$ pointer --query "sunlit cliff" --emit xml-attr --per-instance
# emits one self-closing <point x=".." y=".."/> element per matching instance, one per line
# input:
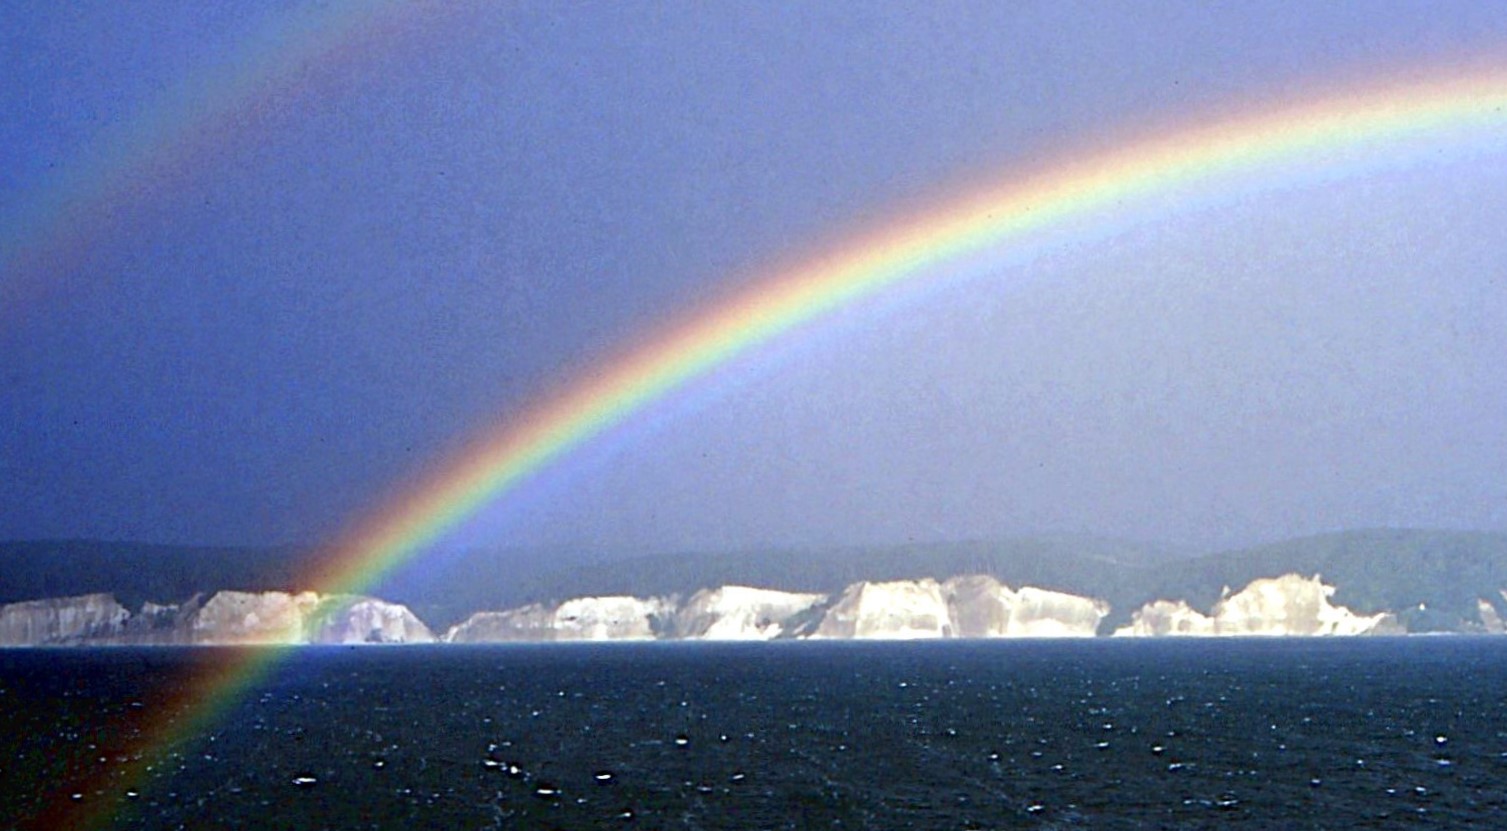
<point x="1286" y="605"/>
<point x="970" y="606"/>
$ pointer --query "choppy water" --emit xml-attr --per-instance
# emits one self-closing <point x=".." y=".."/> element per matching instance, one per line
<point x="1394" y="733"/>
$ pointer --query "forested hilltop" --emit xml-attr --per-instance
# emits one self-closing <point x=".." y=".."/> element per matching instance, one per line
<point x="1432" y="580"/>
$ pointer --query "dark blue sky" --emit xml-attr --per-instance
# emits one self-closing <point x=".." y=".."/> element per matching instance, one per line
<point x="314" y="299"/>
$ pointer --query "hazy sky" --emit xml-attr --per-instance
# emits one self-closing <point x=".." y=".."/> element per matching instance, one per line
<point x="346" y="266"/>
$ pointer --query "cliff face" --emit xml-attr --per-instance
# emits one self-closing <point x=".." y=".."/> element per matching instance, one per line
<point x="899" y="610"/>
<point x="609" y="618"/>
<point x="530" y="623"/>
<point x="741" y="613"/>
<point x="227" y="618"/>
<point x="962" y="607"/>
<point x="974" y="607"/>
<point x="1491" y="622"/>
<point x="1047" y="614"/>
<point x="614" y="618"/>
<point x="1286" y="605"/>
<point x="232" y="618"/>
<point x="983" y="607"/>
<point x="368" y="620"/>
<point x="304" y="618"/>
<point x="62" y="620"/>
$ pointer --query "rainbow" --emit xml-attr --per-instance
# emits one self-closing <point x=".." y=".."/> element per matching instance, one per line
<point x="1311" y="133"/>
<point x="142" y="157"/>
<point x="1331" y="126"/>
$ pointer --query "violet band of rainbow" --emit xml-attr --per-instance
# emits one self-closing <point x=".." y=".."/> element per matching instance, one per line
<point x="624" y="383"/>
<point x="133" y="160"/>
<point x="1379" y="116"/>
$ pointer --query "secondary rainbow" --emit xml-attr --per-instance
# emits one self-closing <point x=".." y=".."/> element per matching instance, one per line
<point x="1379" y="117"/>
<point x="137" y="159"/>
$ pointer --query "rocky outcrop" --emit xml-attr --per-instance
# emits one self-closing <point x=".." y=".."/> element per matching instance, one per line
<point x="235" y="618"/>
<point x="61" y="621"/>
<point x="226" y="618"/>
<point x="1047" y="614"/>
<point x="982" y="607"/>
<point x="973" y="607"/>
<point x="1286" y="605"/>
<point x="1491" y="621"/>
<point x="353" y="620"/>
<point x="897" y="610"/>
<point x="612" y="618"/>
<point x="741" y="613"/>
<point x="528" y="624"/>
<point x="1167" y="617"/>
<point x="963" y="607"/>
<point x="618" y="618"/>
<point x="157" y="625"/>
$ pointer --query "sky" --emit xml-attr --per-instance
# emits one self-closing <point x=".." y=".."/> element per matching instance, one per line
<point x="268" y="265"/>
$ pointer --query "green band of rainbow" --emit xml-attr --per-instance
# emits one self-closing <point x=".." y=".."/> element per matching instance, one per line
<point x="624" y="384"/>
<point x="1472" y="101"/>
<point x="141" y="158"/>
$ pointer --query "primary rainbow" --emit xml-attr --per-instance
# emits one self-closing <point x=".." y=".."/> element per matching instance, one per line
<point x="623" y="384"/>
<point x="992" y="222"/>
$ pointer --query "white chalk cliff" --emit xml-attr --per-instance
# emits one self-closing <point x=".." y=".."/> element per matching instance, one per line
<point x="962" y="607"/>
<point x="227" y="618"/>
<point x="897" y="610"/>
<point x="230" y="618"/>
<point x="1286" y="605"/>
<point x="982" y="607"/>
<point x="740" y="613"/>
<point x="534" y="622"/>
<point x="968" y="607"/>
<point x="614" y="618"/>
<point x="1491" y="622"/>
<point x="368" y="620"/>
<point x="60" y="620"/>
<point x="609" y="618"/>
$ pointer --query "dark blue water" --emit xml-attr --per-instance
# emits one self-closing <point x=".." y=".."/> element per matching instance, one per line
<point x="1388" y="733"/>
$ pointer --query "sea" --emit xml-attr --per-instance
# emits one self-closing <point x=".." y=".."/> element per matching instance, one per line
<point x="1098" y="734"/>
